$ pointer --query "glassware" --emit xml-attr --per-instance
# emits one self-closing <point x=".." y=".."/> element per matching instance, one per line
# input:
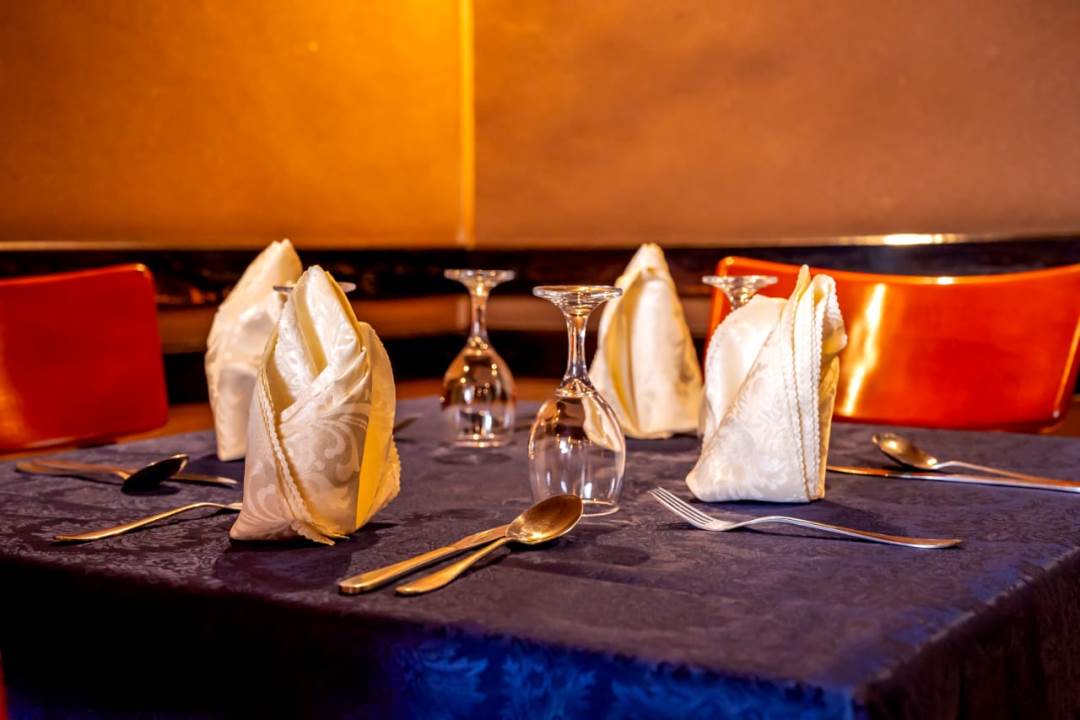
<point x="478" y="395"/>
<point x="739" y="288"/>
<point x="576" y="445"/>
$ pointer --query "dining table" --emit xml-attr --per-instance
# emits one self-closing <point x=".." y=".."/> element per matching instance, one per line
<point x="632" y="615"/>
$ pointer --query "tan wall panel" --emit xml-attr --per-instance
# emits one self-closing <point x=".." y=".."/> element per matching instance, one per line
<point x="694" y="122"/>
<point x="230" y="122"/>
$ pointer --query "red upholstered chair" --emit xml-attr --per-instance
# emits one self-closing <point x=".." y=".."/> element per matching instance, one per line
<point x="80" y="357"/>
<point x="988" y="351"/>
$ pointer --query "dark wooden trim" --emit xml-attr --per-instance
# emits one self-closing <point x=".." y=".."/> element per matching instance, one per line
<point x="187" y="278"/>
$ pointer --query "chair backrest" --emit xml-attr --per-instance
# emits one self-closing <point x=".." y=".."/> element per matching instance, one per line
<point x="986" y="351"/>
<point x="80" y="357"/>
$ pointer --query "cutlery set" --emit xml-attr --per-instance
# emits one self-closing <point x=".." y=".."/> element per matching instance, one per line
<point x="700" y="520"/>
<point x="925" y="466"/>
<point x="555" y="516"/>
<point x="144" y="478"/>
<point x="545" y="521"/>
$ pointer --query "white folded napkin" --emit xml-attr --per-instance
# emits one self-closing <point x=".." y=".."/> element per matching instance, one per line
<point x="770" y="381"/>
<point x="645" y="364"/>
<point x="237" y="338"/>
<point x="321" y="456"/>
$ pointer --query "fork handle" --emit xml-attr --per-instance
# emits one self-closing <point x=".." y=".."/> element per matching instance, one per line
<point x="135" y="524"/>
<point x="915" y="542"/>
<point x="992" y="470"/>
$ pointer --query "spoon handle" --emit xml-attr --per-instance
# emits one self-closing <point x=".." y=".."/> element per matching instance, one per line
<point x="377" y="578"/>
<point x="445" y="576"/>
<point x="992" y="470"/>
<point x="71" y="465"/>
<point x="141" y="522"/>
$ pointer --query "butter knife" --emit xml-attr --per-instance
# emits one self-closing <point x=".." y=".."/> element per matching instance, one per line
<point x="207" y="479"/>
<point x="1039" y="484"/>
<point x="376" y="578"/>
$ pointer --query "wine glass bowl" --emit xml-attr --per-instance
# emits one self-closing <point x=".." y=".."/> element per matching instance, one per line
<point x="576" y="445"/>
<point x="738" y="289"/>
<point x="478" y="394"/>
<point x="577" y="298"/>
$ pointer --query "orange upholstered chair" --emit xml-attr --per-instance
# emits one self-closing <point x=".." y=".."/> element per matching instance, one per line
<point x="80" y="357"/>
<point x="986" y="351"/>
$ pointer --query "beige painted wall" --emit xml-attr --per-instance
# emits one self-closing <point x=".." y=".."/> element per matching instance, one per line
<point x="344" y="122"/>
<point x="694" y="122"/>
<point x="198" y="122"/>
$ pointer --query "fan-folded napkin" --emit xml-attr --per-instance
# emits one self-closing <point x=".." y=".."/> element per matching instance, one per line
<point x="321" y="456"/>
<point x="770" y="382"/>
<point x="237" y="338"/>
<point x="645" y="364"/>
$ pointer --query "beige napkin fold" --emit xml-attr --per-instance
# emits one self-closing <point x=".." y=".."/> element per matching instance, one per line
<point x="321" y="456"/>
<point x="645" y="364"/>
<point x="237" y="338"/>
<point x="770" y="383"/>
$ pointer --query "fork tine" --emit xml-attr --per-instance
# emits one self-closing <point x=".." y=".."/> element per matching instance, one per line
<point x="676" y="506"/>
<point x="694" y="518"/>
<point x="666" y="499"/>
<point x="663" y="500"/>
<point x="685" y="506"/>
<point x="676" y="511"/>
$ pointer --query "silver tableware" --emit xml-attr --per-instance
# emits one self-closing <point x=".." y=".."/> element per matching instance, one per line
<point x="144" y="478"/>
<point x="1034" y="483"/>
<point x="908" y="453"/>
<point x="700" y="520"/>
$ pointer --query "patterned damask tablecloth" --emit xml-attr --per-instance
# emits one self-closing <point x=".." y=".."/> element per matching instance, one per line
<point x="634" y="616"/>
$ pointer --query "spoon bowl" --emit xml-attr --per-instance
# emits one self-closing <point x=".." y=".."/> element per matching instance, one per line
<point x="908" y="453"/>
<point x="152" y="475"/>
<point x="905" y="452"/>
<point x="547" y="520"/>
<point x="142" y="479"/>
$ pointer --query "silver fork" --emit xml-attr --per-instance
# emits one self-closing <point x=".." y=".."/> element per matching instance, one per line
<point x="700" y="520"/>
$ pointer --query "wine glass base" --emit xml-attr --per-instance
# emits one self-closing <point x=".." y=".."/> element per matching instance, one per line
<point x="480" y="442"/>
<point x="599" y="508"/>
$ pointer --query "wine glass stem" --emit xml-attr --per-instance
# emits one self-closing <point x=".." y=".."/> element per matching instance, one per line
<point x="576" y="367"/>
<point x="478" y="296"/>
<point x="739" y="297"/>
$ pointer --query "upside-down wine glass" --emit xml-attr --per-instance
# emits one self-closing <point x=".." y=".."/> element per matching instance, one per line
<point x="576" y="445"/>
<point x="478" y="395"/>
<point x="738" y="289"/>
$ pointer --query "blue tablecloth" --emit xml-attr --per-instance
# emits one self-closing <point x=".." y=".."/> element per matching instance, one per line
<point x="633" y="616"/>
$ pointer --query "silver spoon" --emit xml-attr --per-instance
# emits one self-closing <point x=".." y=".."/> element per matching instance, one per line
<point x="144" y="478"/>
<point x="908" y="453"/>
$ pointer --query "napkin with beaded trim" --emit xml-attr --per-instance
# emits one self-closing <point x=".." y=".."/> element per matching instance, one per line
<point x="770" y="383"/>
<point x="645" y="364"/>
<point x="238" y="335"/>
<point x="321" y="456"/>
